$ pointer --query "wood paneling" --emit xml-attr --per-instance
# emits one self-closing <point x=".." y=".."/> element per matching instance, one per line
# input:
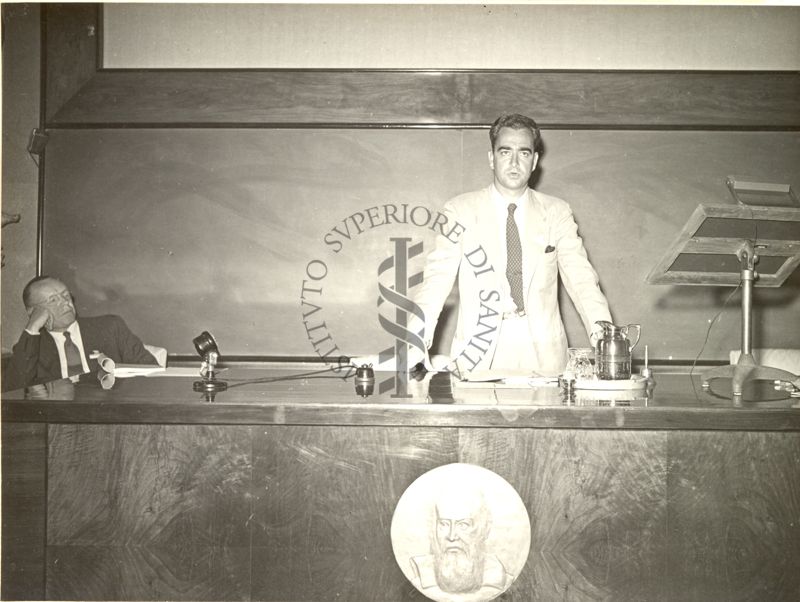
<point x="304" y="513"/>
<point x="314" y="98"/>
<point x="171" y="512"/>
<point x="133" y="572"/>
<point x="323" y="504"/>
<point x="597" y="503"/>
<point x="732" y="515"/>
<point x="155" y="512"/>
<point x="24" y="448"/>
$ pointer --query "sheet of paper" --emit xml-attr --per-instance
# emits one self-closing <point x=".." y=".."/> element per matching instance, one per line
<point x="390" y="365"/>
<point x="182" y="371"/>
<point x="507" y="379"/>
<point x="128" y="370"/>
<point x="433" y="363"/>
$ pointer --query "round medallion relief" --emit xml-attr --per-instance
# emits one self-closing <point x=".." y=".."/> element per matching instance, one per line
<point x="461" y="533"/>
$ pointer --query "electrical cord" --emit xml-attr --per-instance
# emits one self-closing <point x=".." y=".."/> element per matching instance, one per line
<point x="302" y="376"/>
<point x="708" y="332"/>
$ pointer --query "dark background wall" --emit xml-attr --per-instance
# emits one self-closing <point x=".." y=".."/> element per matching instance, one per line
<point x="187" y="200"/>
<point x="185" y="229"/>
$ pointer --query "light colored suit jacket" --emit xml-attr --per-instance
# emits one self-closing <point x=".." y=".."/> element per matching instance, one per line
<point x="551" y="246"/>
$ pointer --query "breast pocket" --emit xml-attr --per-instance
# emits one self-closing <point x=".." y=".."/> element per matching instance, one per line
<point x="546" y="274"/>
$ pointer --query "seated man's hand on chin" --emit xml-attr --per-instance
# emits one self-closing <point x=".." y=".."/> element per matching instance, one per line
<point x="40" y="317"/>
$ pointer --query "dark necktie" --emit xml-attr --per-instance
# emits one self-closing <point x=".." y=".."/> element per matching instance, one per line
<point x="73" y="355"/>
<point x="514" y="263"/>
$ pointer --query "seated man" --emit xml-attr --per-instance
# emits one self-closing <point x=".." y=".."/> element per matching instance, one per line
<point x="56" y="344"/>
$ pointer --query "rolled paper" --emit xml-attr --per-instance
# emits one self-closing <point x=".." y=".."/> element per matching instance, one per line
<point x="105" y="362"/>
<point x="107" y="379"/>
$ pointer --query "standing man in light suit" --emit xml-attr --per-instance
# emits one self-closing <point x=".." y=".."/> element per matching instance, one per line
<point x="514" y="245"/>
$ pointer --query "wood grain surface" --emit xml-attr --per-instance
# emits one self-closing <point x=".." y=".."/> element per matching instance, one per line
<point x="78" y="93"/>
<point x="24" y="467"/>
<point x="264" y="98"/>
<point x="678" y="403"/>
<point x="689" y="516"/>
<point x="304" y="512"/>
<point x="156" y="512"/>
<point x="323" y="507"/>
<point x="597" y="503"/>
<point x="734" y="516"/>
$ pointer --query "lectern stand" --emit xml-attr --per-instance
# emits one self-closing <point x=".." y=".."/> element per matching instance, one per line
<point x="746" y="368"/>
<point x="703" y="255"/>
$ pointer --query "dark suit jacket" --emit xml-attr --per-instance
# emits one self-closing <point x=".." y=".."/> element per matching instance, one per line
<point x="35" y="358"/>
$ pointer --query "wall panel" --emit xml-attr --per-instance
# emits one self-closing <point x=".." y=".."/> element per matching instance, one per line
<point x="182" y="230"/>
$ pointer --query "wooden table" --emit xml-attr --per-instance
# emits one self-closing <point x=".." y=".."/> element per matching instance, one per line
<point x="284" y="486"/>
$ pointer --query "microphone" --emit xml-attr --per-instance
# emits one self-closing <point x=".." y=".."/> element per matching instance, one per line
<point x="207" y="349"/>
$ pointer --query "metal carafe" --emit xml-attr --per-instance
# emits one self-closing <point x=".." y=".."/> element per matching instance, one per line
<point x="613" y="351"/>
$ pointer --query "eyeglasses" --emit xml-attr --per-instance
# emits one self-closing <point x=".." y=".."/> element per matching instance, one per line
<point x="56" y="298"/>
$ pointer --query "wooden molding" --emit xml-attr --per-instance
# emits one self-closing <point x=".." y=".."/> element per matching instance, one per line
<point x="80" y="94"/>
<point x="370" y="98"/>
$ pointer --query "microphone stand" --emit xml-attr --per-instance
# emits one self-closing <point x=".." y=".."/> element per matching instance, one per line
<point x="746" y="368"/>
<point x="209" y="385"/>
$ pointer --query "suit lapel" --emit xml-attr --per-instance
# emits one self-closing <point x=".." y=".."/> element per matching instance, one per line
<point x="93" y="340"/>
<point x="88" y="336"/>
<point x="536" y="237"/>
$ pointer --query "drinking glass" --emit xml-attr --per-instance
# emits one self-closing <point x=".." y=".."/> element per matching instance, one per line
<point x="579" y="362"/>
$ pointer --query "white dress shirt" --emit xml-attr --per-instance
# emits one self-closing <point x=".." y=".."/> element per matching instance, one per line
<point x="75" y="334"/>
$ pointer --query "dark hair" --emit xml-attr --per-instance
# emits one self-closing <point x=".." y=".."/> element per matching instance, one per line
<point x="516" y="121"/>
<point x="26" y="292"/>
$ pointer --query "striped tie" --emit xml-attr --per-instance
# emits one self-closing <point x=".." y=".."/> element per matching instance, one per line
<point x="514" y="263"/>
<point x="73" y="355"/>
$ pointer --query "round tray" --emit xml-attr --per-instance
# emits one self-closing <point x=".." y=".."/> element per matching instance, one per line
<point x="634" y="382"/>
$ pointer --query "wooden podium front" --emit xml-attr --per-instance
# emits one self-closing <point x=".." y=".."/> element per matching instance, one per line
<point x="285" y="489"/>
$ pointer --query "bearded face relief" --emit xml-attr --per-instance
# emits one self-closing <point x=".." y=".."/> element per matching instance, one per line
<point x="461" y="533"/>
<point x="459" y="544"/>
